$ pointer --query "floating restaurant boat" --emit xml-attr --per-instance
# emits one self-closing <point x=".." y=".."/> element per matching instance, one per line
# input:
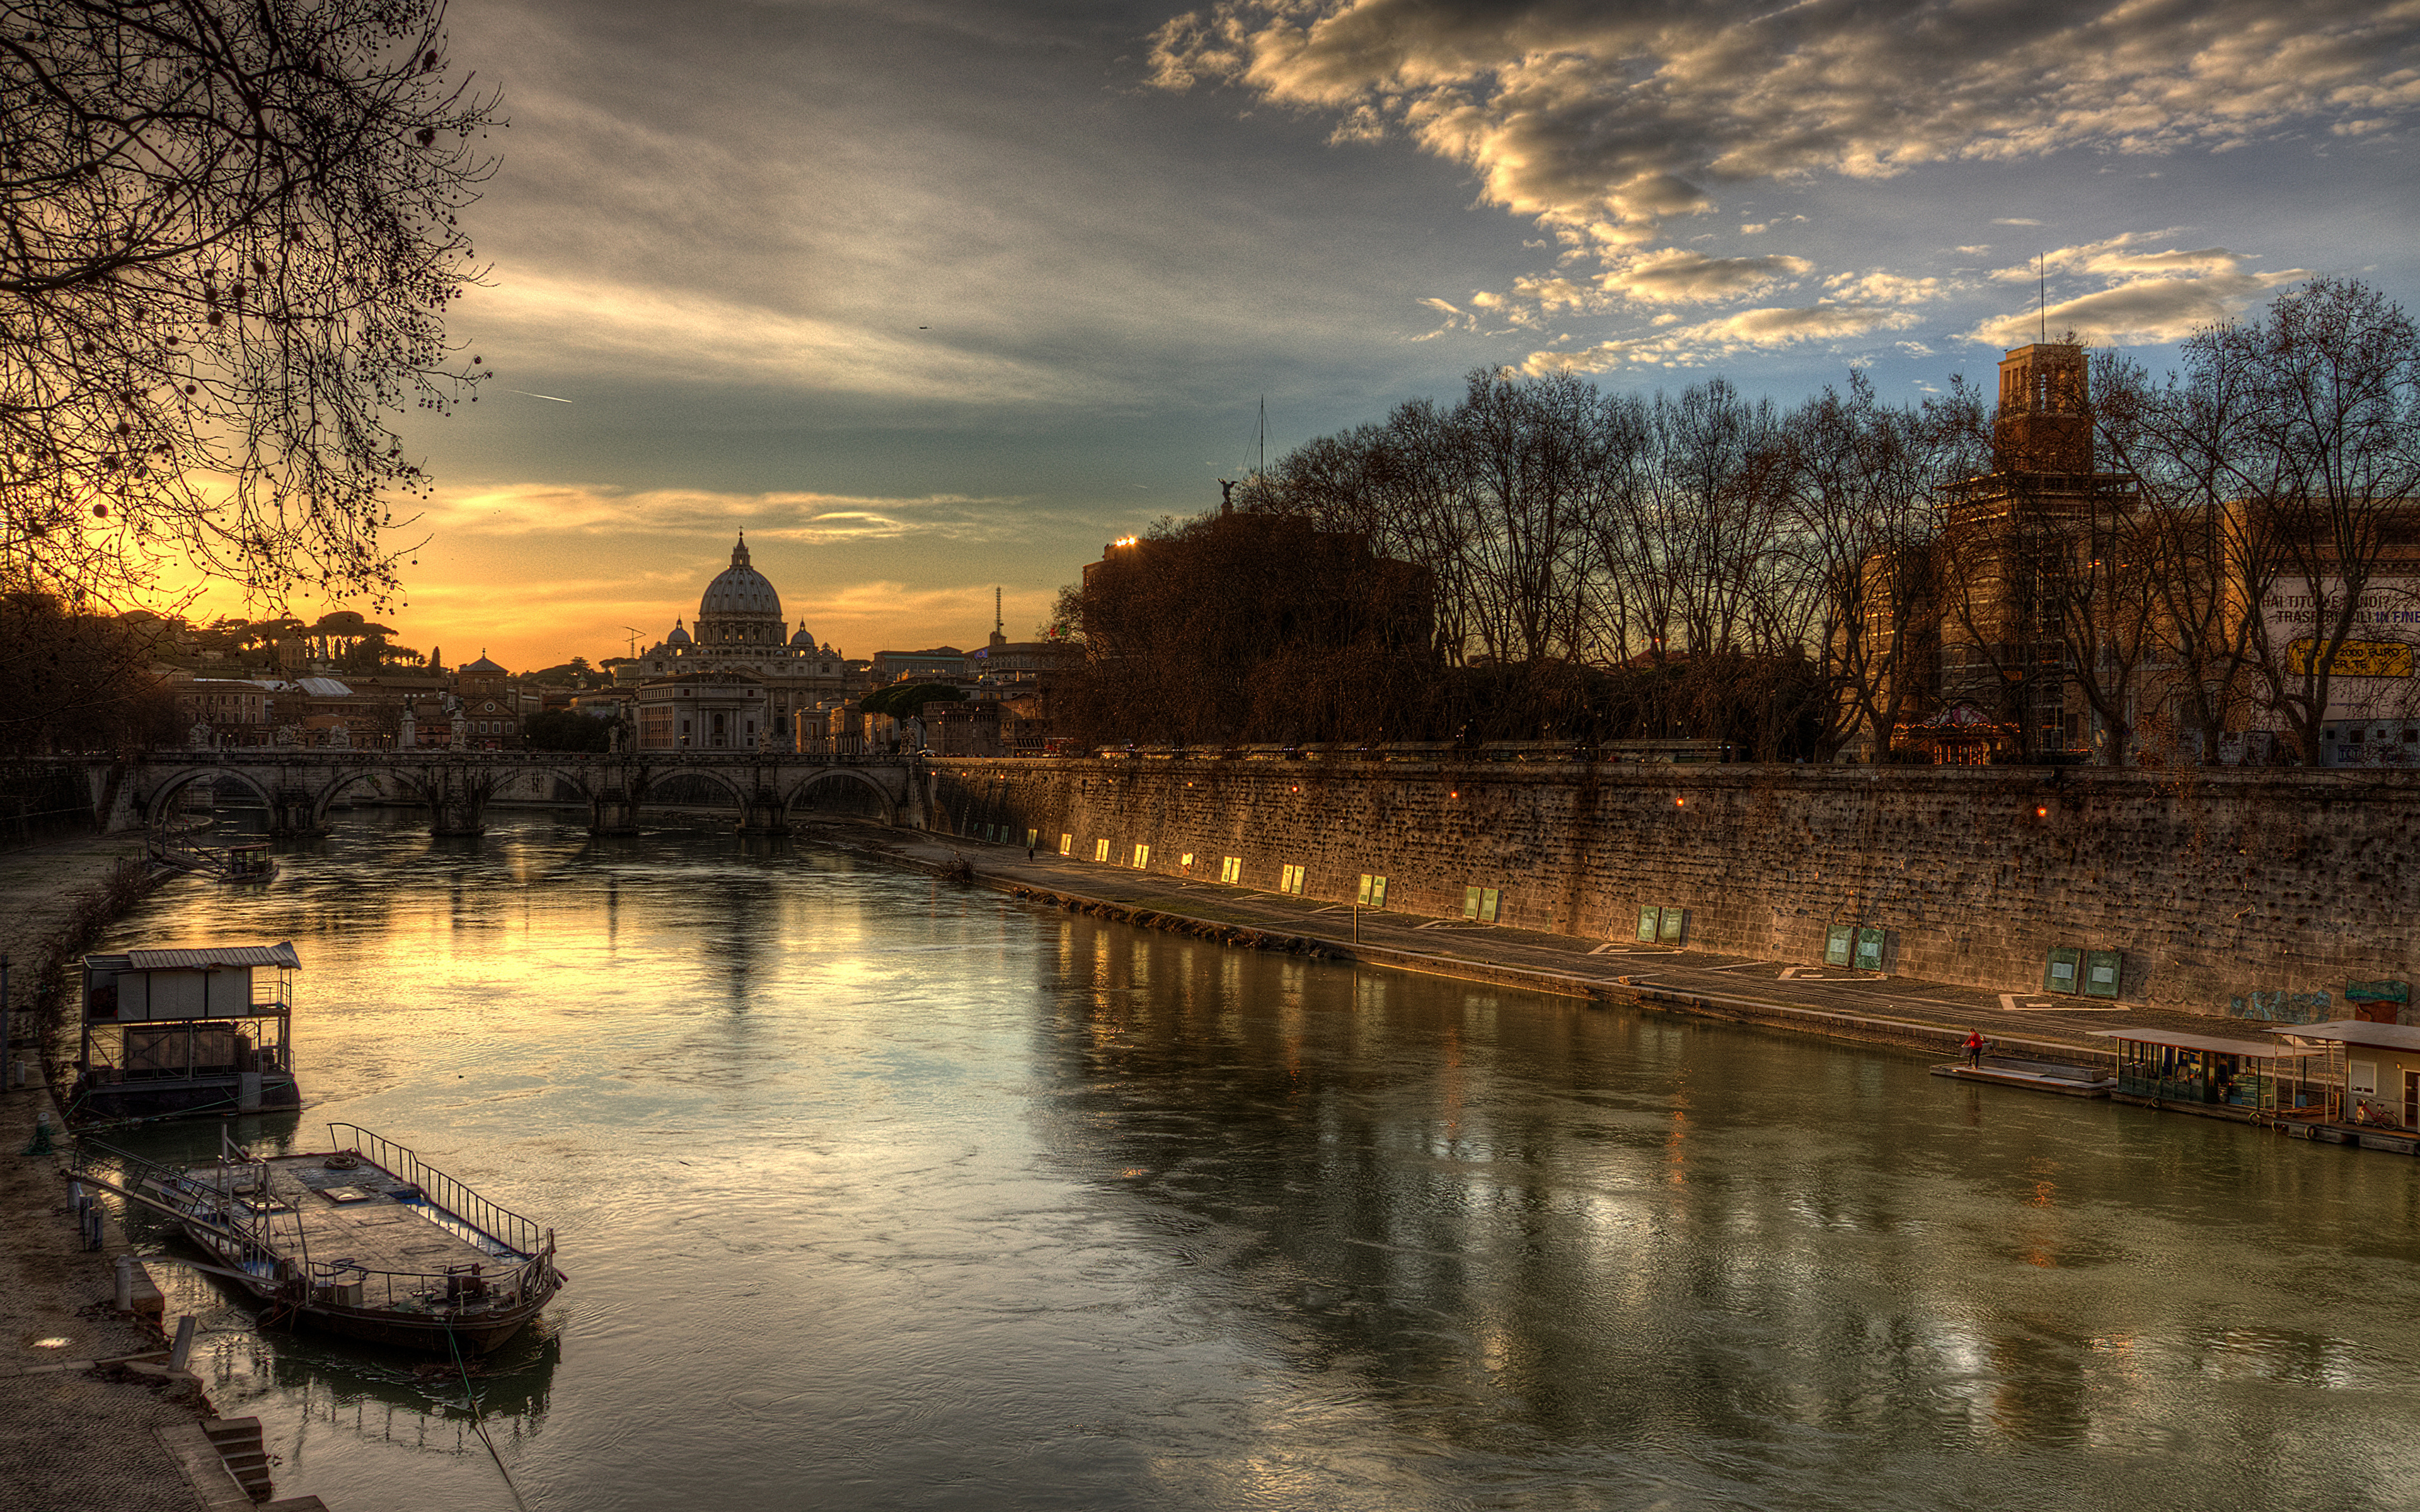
<point x="202" y="1029"/>
<point x="363" y="1240"/>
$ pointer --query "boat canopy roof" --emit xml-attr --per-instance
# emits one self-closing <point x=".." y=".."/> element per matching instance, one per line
<point x="199" y="958"/>
<point x="2260" y="1049"/>
<point x="2357" y="1031"/>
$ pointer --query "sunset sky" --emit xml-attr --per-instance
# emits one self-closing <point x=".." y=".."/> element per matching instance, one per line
<point x="930" y="296"/>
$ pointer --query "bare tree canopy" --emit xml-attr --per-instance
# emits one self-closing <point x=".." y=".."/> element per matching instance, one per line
<point x="230" y="246"/>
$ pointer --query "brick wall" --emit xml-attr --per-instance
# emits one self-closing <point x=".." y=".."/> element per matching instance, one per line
<point x="2258" y="894"/>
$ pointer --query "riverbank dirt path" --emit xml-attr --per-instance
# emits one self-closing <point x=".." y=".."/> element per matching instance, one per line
<point x="73" y="1438"/>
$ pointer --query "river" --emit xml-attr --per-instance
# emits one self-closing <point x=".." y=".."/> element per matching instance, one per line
<point x="880" y="1193"/>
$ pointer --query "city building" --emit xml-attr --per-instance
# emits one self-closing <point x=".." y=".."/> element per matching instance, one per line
<point x="941" y="664"/>
<point x="705" y="711"/>
<point x="1006" y="661"/>
<point x="225" y="711"/>
<point x="739" y="639"/>
<point x="2058" y="614"/>
<point x="489" y="706"/>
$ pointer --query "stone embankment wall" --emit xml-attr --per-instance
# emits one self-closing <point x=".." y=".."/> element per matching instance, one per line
<point x="2258" y="894"/>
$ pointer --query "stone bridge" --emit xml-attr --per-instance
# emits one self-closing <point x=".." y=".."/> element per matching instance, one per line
<point x="300" y="786"/>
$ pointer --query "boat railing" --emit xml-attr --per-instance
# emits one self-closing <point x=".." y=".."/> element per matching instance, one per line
<point x="204" y="1199"/>
<point x="505" y="1226"/>
<point x="455" y="1288"/>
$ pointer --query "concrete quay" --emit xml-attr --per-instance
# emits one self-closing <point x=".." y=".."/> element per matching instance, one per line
<point x="1930" y="1018"/>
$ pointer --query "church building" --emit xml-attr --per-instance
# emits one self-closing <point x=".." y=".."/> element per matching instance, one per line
<point x="741" y="640"/>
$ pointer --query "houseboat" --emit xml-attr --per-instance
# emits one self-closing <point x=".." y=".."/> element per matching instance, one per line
<point x="195" y="1029"/>
<point x="363" y="1240"/>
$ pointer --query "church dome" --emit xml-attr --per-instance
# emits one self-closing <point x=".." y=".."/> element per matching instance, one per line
<point x="679" y="638"/>
<point x="740" y="590"/>
<point x="803" y="640"/>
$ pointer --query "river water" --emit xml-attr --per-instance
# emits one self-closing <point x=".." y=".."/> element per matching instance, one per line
<point x="878" y="1192"/>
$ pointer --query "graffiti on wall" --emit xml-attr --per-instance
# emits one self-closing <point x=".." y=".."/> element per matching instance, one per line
<point x="2281" y="1007"/>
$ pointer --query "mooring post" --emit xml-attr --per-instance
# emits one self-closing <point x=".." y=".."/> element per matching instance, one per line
<point x="124" y="1300"/>
<point x="183" y="1349"/>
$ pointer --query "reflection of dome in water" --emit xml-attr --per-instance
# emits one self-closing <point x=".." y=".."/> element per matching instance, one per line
<point x="740" y="589"/>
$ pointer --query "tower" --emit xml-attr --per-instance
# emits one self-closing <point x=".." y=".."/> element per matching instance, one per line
<point x="2043" y="425"/>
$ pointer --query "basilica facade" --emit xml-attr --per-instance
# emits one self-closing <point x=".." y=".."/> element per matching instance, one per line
<point x="740" y="679"/>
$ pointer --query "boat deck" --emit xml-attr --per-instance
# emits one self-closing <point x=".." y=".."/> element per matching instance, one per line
<point x="2037" y="1075"/>
<point x="373" y="1219"/>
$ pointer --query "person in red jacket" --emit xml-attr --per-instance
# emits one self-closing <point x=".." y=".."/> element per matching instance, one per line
<point x="1975" y="1048"/>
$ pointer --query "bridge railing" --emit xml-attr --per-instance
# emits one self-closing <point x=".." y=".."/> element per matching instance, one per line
<point x="851" y="749"/>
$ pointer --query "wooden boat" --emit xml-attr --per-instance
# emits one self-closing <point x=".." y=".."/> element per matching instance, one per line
<point x="244" y="861"/>
<point x="363" y="1240"/>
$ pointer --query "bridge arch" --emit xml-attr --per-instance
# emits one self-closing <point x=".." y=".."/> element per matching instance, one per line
<point x="571" y="777"/>
<point x="336" y="788"/>
<point x="882" y="796"/>
<point x="155" y="804"/>
<point x="721" y="779"/>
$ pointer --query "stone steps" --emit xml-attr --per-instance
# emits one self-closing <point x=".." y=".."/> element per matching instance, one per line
<point x="240" y="1447"/>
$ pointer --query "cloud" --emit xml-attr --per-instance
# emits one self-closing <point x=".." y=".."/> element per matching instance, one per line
<point x="1880" y="288"/>
<point x="1623" y="117"/>
<point x="1455" y="318"/>
<point x="1764" y="329"/>
<point x="2149" y="294"/>
<point x="807" y="519"/>
<point x="2149" y="311"/>
<point x="569" y="324"/>
<point x="1675" y="276"/>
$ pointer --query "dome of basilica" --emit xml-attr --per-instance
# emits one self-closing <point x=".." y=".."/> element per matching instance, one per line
<point x="740" y="590"/>
<point x="803" y="639"/>
<point x="679" y="638"/>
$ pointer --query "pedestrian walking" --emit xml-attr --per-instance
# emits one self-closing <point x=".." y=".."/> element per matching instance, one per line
<point x="1975" y="1048"/>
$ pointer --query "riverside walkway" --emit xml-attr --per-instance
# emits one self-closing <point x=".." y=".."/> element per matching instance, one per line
<point x="74" y="1437"/>
<point x="1800" y="996"/>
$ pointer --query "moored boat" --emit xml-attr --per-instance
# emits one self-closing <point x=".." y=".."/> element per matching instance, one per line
<point x="363" y="1240"/>
<point x="189" y="1029"/>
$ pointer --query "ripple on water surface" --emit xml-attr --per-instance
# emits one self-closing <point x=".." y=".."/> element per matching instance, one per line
<point x="878" y="1192"/>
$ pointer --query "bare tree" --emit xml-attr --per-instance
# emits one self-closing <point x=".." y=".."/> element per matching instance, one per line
<point x="230" y="240"/>
<point x="2214" y="559"/>
<point x="1859" y="479"/>
<point x="2331" y="452"/>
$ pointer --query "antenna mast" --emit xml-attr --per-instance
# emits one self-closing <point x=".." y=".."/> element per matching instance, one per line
<point x="997" y="621"/>
<point x="2041" y="298"/>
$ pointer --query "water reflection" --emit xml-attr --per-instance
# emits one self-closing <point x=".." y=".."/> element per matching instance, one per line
<point x="878" y="1192"/>
<point x="1631" y="1234"/>
<point x="423" y="1404"/>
